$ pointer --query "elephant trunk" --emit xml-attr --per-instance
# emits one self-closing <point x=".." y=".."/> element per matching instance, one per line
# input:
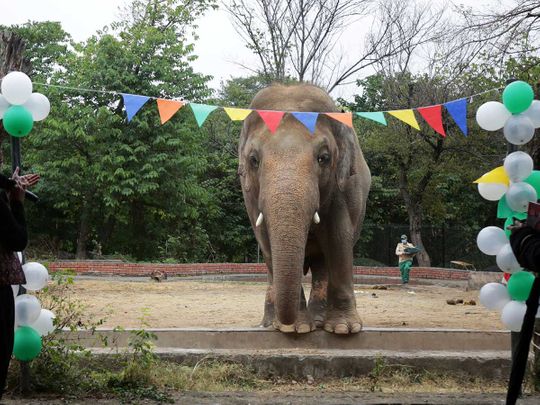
<point x="288" y="213"/>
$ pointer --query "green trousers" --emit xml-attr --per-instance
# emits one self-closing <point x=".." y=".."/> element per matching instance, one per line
<point x="404" y="269"/>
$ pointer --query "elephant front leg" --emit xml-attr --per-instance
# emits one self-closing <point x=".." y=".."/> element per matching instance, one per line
<point x="304" y="321"/>
<point x="341" y="315"/>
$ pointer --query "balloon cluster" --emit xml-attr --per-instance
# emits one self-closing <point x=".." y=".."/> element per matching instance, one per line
<point x="514" y="185"/>
<point x="31" y="321"/>
<point x="19" y="107"/>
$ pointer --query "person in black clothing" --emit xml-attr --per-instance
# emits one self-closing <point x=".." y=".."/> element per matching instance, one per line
<point x="525" y="242"/>
<point x="13" y="238"/>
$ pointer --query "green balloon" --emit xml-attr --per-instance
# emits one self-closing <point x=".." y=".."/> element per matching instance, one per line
<point x="517" y="97"/>
<point x="18" y="121"/>
<point x="510" y="220"/>
<point x="534" y="180"/>
<point x="519" y="285"/>
<point x="27" y="344"/>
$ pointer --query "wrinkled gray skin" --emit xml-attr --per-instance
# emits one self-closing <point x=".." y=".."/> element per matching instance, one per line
<point x="288" y="176"/>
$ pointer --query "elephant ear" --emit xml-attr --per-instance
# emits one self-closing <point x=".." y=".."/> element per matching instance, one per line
<point x="244" y="178"/>
<point x="346" y="163"/>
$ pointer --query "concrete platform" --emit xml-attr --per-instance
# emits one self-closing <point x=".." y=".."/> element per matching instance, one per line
<point x="321" y="354"/>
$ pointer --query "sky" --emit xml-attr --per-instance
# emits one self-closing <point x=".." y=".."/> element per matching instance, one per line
<point x="219" y="48"/>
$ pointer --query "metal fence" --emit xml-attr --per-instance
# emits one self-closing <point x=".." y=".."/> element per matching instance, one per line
<point x="444" y="244"/>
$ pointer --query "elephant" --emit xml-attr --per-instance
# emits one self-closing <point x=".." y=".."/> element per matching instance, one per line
<point x="305" y="195"/>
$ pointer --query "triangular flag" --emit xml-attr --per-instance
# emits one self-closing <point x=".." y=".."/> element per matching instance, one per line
<point x="344" y="118"/>
<point x="497" y="175"/>
<point x="167" y="108"/>
<point x="237" y="114"/>
<point x="458" y="111"/>
<point x="377" y="116"/>
<point x="309" y="119"/>
<point x="271" y="118"/>
<point x="433" y="116"/>
<point x="407" y="116"/>
<point x="201" y="111"/>
<point x="133" y="104"/>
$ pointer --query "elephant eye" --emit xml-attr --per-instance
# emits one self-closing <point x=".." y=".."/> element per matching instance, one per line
<point x="254" y="161"/>
<point x="323" y="159"/>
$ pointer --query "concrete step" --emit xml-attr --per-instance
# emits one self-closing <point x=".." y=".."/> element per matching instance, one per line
<point x="321" y="354"/>
<point x="300" y="363"/>
<point x="396" y="339"/>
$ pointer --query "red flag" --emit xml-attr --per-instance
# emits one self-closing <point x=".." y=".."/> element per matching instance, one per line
<point x="433" y="116"/>
<point x="271" y="118"/>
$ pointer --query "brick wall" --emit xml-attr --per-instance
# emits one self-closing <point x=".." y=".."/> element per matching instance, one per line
<point x="102" y="267"/>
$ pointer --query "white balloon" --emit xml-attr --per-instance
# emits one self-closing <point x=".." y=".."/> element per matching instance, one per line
<point x="36" y="276"/>
<point x="39" y="106"/>
<point x="44" y="323"/>
<point x="490" y="240"/>
<point x="27" y="309"/>
<point x="492" y="191"/>
<point x="492" y="115"/>
<point x="533" y="113"/>
<point x="16" y="88"/>
<point x="494" y="296"/>
<point x="519" y="195"/>
<point x="512" y="315"/>
<point x="518" y="165"/>
<point x="506" y="260"/>
<point x="518" y="129"/>
<point x="4" y="105"/>
<point x="15" y="289"/>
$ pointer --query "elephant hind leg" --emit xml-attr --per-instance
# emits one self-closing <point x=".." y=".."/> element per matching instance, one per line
<point x="269" y="311"/>
<point x="318" y="297"/>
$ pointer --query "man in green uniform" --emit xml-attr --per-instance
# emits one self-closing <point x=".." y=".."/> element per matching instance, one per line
<point x="405" y="258"/>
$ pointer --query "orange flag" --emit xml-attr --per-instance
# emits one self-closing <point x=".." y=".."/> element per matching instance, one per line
<point x="167" y="108"/>
<point x="344" y="118"/>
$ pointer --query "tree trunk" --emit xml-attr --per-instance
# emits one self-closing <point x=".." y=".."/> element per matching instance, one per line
<point x="11" y="58"/>
<point x="415" y="228"/>
<point x="84" y="231"/>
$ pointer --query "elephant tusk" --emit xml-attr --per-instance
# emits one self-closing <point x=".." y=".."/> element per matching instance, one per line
<point x="316" y="218"/>
<point x="259" y="219"/>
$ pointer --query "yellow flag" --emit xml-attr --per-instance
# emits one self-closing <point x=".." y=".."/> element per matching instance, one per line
<point x="237" y="114"/>
<point x="407" y="116"/>
<point x="497" y="175"/>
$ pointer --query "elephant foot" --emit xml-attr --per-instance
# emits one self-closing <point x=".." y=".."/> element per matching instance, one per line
<point x="342" y="322"/>
<point x="317" y="310"/>
<point x="304" y="324"/>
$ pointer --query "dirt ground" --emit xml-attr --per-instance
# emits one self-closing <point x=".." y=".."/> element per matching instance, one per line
<point x="240" y="304"/>
<point x="295" y="397"/>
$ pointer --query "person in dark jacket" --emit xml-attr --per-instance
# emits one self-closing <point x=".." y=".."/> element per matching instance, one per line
<point x="525" y="242"/>
<point x="13" y="238"/>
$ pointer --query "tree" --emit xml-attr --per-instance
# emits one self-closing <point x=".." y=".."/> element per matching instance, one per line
<point x="502" y="31"/>
<point x="106" y="176"/>
<point x="297" y="38"/>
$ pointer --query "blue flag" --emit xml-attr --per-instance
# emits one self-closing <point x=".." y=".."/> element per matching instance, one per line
<point x="309" y="119"/>
<point x="133" y="104"/>
<point x="458" y="111"/>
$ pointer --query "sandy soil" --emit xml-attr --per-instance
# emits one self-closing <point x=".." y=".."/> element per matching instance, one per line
<point x="240" y="304"/>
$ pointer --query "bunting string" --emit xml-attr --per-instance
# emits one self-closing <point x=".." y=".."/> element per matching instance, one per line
<point x="167" y="108"/>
